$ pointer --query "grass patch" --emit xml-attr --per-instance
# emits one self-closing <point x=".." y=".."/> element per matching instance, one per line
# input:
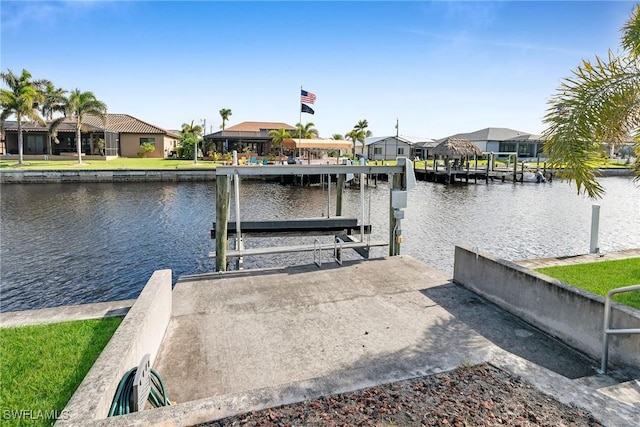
<point x="600" y="277"/>
<point x="119" y="163"/>
<point x="41" y="366"/>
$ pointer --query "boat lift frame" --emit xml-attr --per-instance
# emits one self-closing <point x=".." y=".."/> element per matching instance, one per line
<point x="401" y="178"/>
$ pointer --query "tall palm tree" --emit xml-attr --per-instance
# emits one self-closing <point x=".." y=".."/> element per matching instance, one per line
<point x="363" y="125"/>
<point x="78" y="105"/>
<point x="20" y="100"/>
<point x="53" y="101"/>
<point x="600" y="103"/>
<point x="306" y="131"/>
<point x="224" y="113"/>
<point x="278" y="137"/>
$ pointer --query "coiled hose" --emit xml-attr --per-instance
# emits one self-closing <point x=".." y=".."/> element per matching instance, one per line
<point x="122" y="404"/>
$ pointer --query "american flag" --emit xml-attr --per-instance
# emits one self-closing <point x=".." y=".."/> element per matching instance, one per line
<point x="307" y="97"/>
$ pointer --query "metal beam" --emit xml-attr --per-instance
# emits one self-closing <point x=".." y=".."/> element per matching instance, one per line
<point x="306" y="169"/>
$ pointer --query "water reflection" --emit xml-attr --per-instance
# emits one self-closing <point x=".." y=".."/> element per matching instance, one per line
<point x="77" y="243"/>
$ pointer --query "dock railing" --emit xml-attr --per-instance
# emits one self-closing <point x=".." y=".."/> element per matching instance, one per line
<point x="607" y="323"/>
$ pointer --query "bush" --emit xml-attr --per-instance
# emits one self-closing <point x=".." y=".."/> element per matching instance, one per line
<point x="145" y="149"/>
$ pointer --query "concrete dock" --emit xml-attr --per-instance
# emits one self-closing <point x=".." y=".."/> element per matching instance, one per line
<point x="306" y="331"/>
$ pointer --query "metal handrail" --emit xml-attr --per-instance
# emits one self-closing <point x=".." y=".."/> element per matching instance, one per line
<point x="607" y="318"/>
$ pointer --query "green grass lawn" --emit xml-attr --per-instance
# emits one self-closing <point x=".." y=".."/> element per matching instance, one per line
<point x="119" y="163"/>
<point x="41" y="366"/>
<point x="600" y="277"/>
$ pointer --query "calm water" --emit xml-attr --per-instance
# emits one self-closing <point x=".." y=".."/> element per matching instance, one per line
<point x="79" y="243"/>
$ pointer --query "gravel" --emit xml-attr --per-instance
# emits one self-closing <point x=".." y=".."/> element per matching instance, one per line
<point x="480" y="395"/>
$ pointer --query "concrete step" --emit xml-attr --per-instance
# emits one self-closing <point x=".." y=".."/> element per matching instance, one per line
<point x="596" y="382"/>
<point x="627" y="392"/>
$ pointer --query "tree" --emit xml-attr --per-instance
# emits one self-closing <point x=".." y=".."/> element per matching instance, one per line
<point x="190" y="140"/>
<point x="355" y="136"/>
<point x="599" y="103"/>
<point x="20" y="100"/>
<point x="53" y="100"/>
<point x="77" y="106"/>
<point x="225" y="113"/>
<point x="189" y="129"/>
<point x="278" y="136"/>
<point x="337" y="137"/>
<point x="306" y="131"/>
<point x="359" y="133"/>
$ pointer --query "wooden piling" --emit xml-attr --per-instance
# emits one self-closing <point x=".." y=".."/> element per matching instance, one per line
<point x="223" y="197"/>
<point x="339" y="193"/>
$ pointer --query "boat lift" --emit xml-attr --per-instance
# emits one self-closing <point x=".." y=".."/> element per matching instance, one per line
<point x="401" y="176"/>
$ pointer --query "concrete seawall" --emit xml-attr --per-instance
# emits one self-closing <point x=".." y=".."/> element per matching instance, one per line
<point x="117" y="175"/>
<point x="151" y="175"/>
<point x="573" y="315"/>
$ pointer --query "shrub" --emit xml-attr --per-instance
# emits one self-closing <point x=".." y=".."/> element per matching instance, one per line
<point x="145" y="149"/>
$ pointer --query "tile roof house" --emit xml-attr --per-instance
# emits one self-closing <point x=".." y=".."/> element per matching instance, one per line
<point x="253" y="136"/>
<point x="123" y="134"/>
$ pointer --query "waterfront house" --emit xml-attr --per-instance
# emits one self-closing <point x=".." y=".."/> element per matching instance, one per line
<point x="246" y="136"/>
<point x="387" y="147"/>
<point x="503" y="140"/>
<point x="122" y="135"/>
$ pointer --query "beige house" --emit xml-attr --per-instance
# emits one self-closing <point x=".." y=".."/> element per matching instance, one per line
<point x="122" y="135"/>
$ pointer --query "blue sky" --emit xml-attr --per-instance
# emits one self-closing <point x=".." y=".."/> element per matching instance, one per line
<point x="438" y="67"/>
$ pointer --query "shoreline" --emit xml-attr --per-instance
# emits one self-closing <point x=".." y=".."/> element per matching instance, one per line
<point x="56" y="176"/>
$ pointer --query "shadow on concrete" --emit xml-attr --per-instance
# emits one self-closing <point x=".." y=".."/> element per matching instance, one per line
<point x="510" y="332"/>
<point x="288" y="270"/>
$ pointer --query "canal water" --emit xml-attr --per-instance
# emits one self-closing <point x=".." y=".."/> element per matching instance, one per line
<point x="80" y="243"/>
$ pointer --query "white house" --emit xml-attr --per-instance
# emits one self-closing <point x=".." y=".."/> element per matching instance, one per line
<point x="388" y="147"/>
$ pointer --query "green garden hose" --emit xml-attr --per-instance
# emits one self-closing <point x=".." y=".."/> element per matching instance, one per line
<point x="122" y="401"/>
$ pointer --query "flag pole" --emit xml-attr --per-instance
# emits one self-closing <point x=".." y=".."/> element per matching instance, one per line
<point x="300" y="121"/>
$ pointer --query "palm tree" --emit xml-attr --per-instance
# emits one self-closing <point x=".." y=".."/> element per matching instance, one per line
<point x="53" y="101"/>
<point x="600" y="103"/>
<point x="278" y="137"/>
<point x="77" y="106"/>
<point x="359" y="133"/>
<point x="20" y="100"/>
<point x="224" y="113"/>
<point x="337" y="137"/>
<point x="355" y="136"/>
<point x="306" y="131"/>
<point x="191" y="130"/>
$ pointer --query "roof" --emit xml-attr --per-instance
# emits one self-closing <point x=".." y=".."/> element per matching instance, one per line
<point x="525" y="137"/>
<point x="420" y="140"/>
<point x="321" y="144"/>
<point x="122" y="123"/>
<point x="66" y="126"/>
<point x="259" y="126"/>
<point x="374" y="139"/>
<point x="488" y="134"/>
<point x="457" y="147"/>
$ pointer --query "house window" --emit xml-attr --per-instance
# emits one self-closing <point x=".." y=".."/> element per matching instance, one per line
<point x="400" y="151"/>
<point x="377" y="150"/>
<point x="147" y="141"/>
